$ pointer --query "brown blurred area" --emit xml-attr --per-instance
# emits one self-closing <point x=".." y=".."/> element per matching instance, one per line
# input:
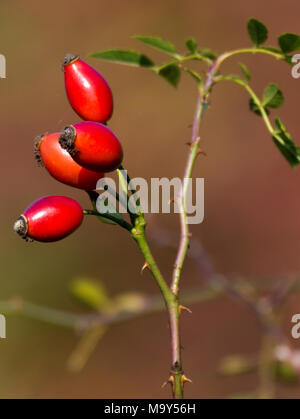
<point x="252" y="199"/>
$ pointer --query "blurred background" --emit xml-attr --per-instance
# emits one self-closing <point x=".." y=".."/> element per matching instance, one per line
<point x="252" y="200"/>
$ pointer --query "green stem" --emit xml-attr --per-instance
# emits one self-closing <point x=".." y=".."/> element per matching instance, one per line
<point x="171" y="302"/>
<point x="124" y="182"/>
<point x="229" y="54"/>
<point x="257" y="101"/>
<point x="138" y="233"/>
<point x="195" y="76"/>
<point x="182" y="59"/>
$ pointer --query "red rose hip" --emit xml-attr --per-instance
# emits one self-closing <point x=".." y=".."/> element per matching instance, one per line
<point x="60" y="164"/>
<point x="92" y="145"/>
<point x="49" y="219"/>
<point x="87" y="90"/>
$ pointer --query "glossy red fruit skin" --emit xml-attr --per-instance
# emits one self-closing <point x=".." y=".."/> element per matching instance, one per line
<point x="93" y="146"/>
<point x="52" y="218"/>
<point x="88" y="92"/>
<point x="61" y="166"/>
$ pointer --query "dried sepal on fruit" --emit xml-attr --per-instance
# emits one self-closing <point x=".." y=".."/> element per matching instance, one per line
<point x="88" y="92"/>
<point x="92" y="145"/>
<point x="49" y="219"/>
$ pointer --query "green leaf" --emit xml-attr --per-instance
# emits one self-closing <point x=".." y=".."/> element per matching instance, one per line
<point x="289" y="42"/>
<point x="191" y="45"/>
<point x="208" y="53"/>
<point x="171" y="73"/>
<point x="245" y="72"/>
<point x="285" y="372"/>
<point x="285" y="143"/>
<point x="132" y="58"/>
<point x="157" y="43"/>
<point x="272" y="97"/>
<point x="257" y="31"/>
<point x="91" y="293"/>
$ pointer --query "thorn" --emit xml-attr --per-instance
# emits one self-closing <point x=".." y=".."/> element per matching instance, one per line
<point x="171" y="200"/>
<point x="169" y="381"/>
<point x="200" y="151"/>
<point x="145" y="266"/>
<point x="191" y="145"/>
<point x="184" y="380"/>
<point x="181" y="308"/>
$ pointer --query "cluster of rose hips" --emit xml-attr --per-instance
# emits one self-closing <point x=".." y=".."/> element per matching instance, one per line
<point x="78" y="156"/>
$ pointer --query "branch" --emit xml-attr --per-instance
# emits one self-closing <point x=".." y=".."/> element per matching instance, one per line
<point x="178" y="377"/>
<point x="258" y="103"/>
<point x="83" y="322"/>
<point x="185" y="235"/>
<point x="253" y="96"/>
<point x="223" y="57"/>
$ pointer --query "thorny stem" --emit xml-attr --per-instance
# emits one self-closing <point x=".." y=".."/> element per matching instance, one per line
<point x="171" y="294"/>
<point x="171" y="302"/>
<point x="174" y="311"/>
<point x="172" y="305"/>
<point x="184" y="241"/>
<point x="138" y="234"/>
<point x="202" y="103"/>
<point x="170" y="299"/>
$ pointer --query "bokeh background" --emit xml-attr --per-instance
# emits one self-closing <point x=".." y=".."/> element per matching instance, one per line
<point x="252" y="199"/>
